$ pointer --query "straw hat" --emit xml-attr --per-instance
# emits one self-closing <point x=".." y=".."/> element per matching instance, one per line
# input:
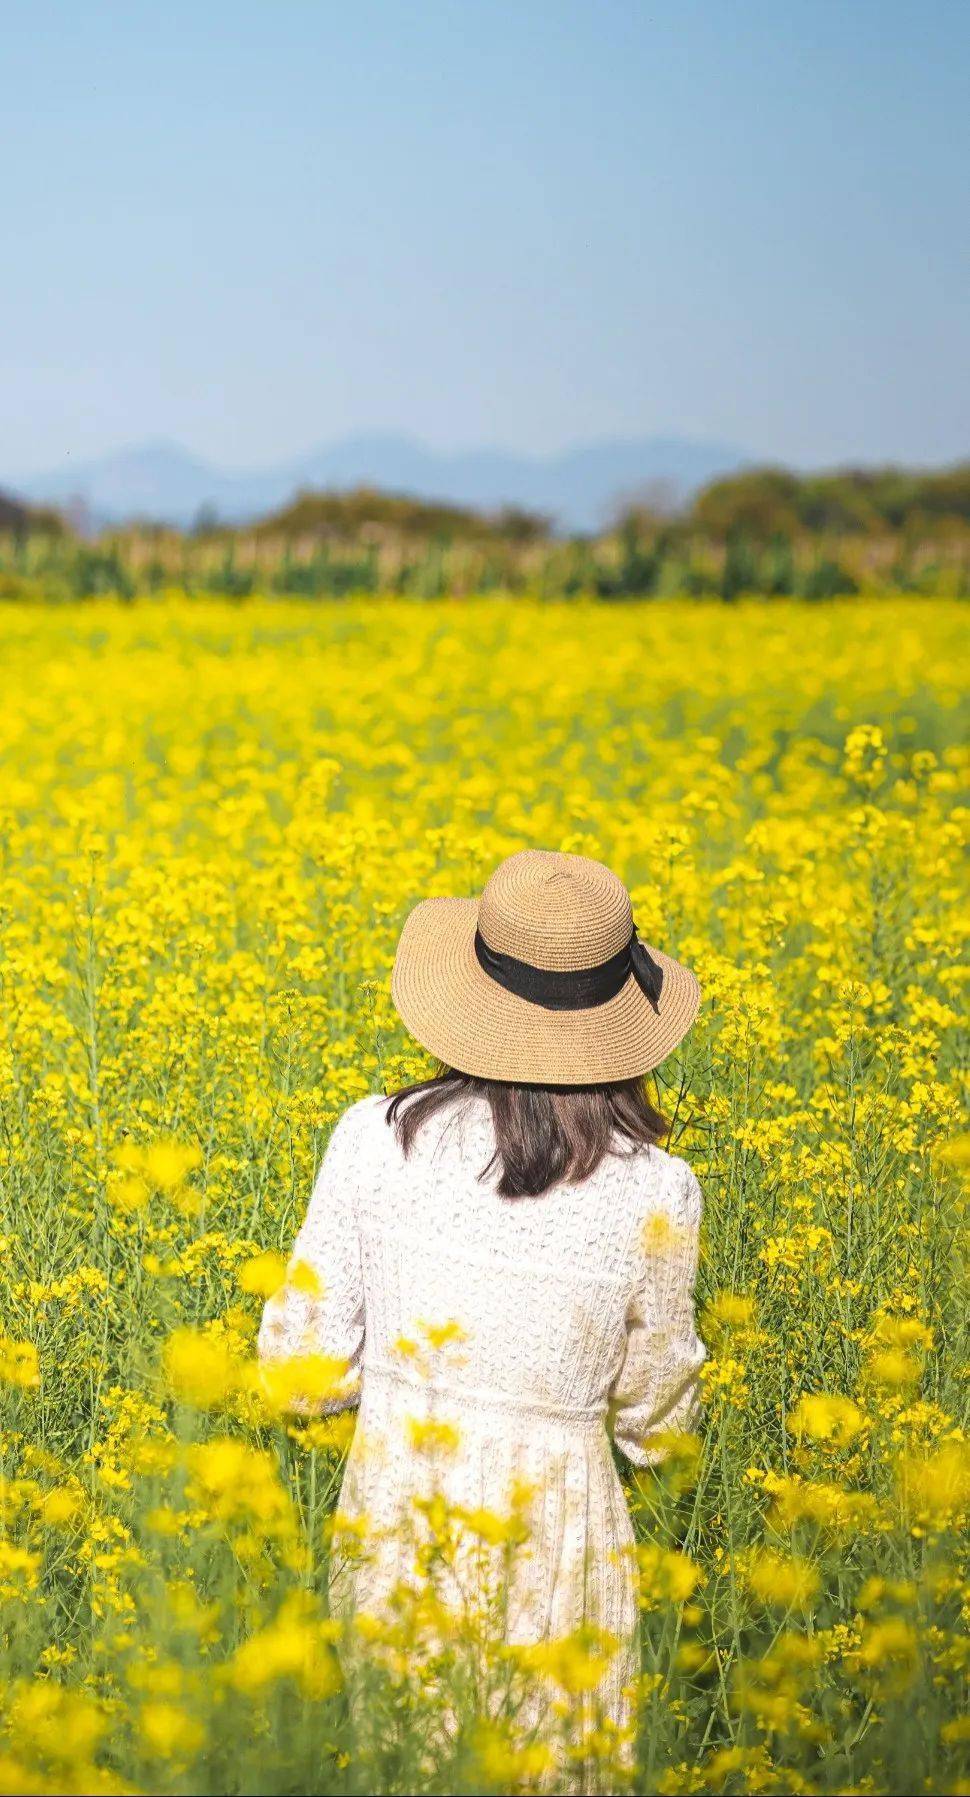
<point x="542" y="981"/>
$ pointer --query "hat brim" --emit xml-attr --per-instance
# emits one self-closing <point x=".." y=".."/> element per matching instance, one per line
<point x="468" y="1021"/>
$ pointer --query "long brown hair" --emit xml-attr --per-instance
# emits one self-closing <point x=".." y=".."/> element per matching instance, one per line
<point x="543" y="1134"/>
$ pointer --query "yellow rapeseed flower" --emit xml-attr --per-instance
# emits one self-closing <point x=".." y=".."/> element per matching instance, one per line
<point x="429" y="1435"/>
<point x="783" y="1579"/>
<point x="935" y="1487"/>
<point x="304" y="1278"/>
<point x="200" y="1369"/>
<point x="167" y="1730"/>
<point x="667" y="1576"/>
<point x="577" y="1662"/>
<point x="509" y="1764"/>
<point x="263" y="1274"/>
<point x="824" y="1416"/>
<point x="19" y="1364"/>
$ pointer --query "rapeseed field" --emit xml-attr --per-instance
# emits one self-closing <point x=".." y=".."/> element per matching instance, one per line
<point x="213" y="820"/>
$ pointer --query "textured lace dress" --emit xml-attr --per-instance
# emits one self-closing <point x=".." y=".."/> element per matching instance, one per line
<point x="576" y="1313"/>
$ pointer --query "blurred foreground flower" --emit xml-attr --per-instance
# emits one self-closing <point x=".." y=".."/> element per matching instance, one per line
<point x="19" y="1364"/>
<point x="935" y="1488"/>
<point x="263" y="1275"/>
<point x="823" y="1417"/>
<point x="162" y="1167"/>
<point x="166" y="1730"/>
<point x="200" y="1369"/>
<point x="304" y="1384"/>
<point x="666" y="1576"/>
<point x="296" y="1645"/>
<point x="784" y="1580"/>
<point x="577" y="1663"/>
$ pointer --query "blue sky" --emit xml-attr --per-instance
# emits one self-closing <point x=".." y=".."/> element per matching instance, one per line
<point x="257" y="226"/>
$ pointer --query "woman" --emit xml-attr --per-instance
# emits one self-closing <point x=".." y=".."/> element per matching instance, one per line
<point x="521" y="1197"/>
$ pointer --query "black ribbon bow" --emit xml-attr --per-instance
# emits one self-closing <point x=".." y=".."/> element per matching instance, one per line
<point x="580" y="990"/>
<point x="647" y="972"/>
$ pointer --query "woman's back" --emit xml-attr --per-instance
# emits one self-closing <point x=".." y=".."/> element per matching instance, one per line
<point x="501" y="1266"/>
<point x="541" y="1288"/>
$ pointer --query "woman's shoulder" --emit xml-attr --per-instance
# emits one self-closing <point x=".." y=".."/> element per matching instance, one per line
<point x="365" y="1117"/>
<point x="673" y="1182"/>
<point x="357" y="1132"/>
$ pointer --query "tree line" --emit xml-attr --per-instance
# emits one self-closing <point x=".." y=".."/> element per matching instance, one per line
<point x="764" y="531"/>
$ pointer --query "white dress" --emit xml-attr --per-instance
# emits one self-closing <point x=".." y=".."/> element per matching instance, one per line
<point x="575" y="1310"/>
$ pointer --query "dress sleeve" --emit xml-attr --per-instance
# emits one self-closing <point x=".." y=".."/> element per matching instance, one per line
<point x="312" y="1331"/>
<point x="655" y="1392"/>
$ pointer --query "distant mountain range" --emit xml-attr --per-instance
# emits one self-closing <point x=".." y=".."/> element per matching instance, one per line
<point x="577" y="488"/>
